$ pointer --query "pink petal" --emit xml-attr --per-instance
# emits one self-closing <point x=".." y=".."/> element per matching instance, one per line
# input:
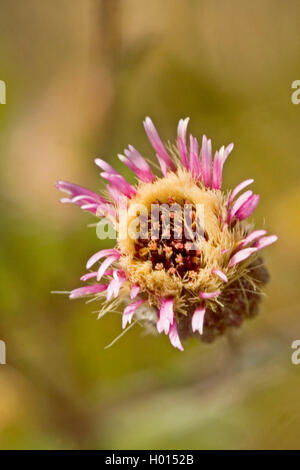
<point x="105" y="265"/>
<point x="106" y="167"/>
<point x="114" y="193"/>
<point x="134" y="160"/>
<point x="75" y="190"/>
<point x="120" y="183"/>
<point x="115" y="284"/>
<point x="119" y="275"/>
<point x="174" y="338"/>
<point x="105" y="209"/>
<point x="110" y="289"/>
<point x="83" y="291"/>
<point x="134" y="291"/>
<point x="130" y="310"/>
<point x="238" y="189"/>
<point x="90" y="207"/>
<point x="209" y="295"/>
<point x="206" y="159"/>
<point x="238" y="204"/>
<point x="265" y="241"/>
<point x="165" y="315"/>
<point x="217" y="171"/>
<point x="97" y="208"/>
<point x="115" y="178"/>
<point x="221" y="275"/>
<point x="198" y="319"/>
<point x="248" y="207"/>
<point x="195" y="166"/>
<point x="252" y="237"/>
<point x="181" y="141"/>
<point x="101" y="254"/>
<point x="161" y="153"/>
<point x="219" y="160"/>
<point x="85" y="198"/>
<point x="87" y="276"/>
<point x="109" y="272"/>
<point x="241" y="256"/>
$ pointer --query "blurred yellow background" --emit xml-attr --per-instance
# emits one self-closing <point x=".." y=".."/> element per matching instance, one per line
<point x="81" y="75"/>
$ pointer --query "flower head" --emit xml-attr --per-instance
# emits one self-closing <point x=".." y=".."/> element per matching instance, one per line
<point x="186" y="261"/>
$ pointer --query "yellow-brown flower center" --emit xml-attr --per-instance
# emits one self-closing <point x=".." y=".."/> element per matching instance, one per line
<point x="165" y="267"/>
<point x="169" y="240"/>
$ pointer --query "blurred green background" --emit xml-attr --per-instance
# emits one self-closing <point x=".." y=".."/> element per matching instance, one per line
<point x="81" y="75"/>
